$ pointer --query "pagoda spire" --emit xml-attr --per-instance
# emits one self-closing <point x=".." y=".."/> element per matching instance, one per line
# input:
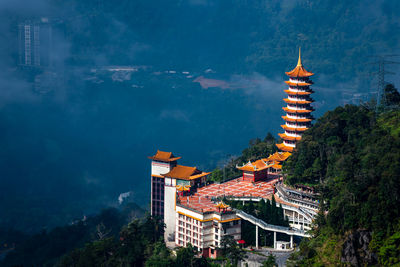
<point x="299" y="60"/>
<point x="298" y="108"/>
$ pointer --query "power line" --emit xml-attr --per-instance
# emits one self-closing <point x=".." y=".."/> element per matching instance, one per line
<point x="381" y="62"/>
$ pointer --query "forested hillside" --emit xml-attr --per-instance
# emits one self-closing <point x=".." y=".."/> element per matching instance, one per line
<point x="352" y="155"/>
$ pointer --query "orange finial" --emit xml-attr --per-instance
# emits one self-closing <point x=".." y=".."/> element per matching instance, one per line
<point x="299" y="61"/>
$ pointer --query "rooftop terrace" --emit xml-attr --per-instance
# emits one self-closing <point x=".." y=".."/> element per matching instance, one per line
<point x="202" y="199"/>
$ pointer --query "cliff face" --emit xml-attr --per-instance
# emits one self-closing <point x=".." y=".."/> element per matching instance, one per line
<point x="356" y="250"/>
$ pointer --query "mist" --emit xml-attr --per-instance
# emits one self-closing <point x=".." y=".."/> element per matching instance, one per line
<point x="200" y="79"/>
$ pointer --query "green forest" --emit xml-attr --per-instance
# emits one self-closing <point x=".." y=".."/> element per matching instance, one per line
<point x="352" y="156"/>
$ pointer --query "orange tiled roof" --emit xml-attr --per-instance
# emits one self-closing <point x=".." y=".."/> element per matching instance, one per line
<point x="287" y="137"/>
<point x="286" y="118"/>
<point x="293" y="128"/>
<point x="222" y="205"/>
<point x="283" y="147"/>
<point x="277" y="166"/>
<point x="297" y="84"/>
<point x="185" y="173"/>
<point x="279" y="156"/>
<point x="287" y="100"/>
<point x="299" y="71"/>
<point x="164" y="156"/>
<point x="257" y="165"/>
<point x="183" y="187"/>
<point x="298" y="93"/>
<point x="296" y="111"/>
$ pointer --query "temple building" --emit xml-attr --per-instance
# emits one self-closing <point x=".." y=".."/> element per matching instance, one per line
<point x="167" y="179"/>
<point x="264" y="169"/>
<point x="192" y="207"/>
<point x="298" y="109"/>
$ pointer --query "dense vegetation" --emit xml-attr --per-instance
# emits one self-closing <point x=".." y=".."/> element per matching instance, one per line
<point x="352" y="155"/>
<point x="46" y="247"/>
<point x="258" y="35"/>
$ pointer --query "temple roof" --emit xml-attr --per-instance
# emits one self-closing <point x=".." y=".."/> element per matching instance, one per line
<point x="277" y="166"/>
<point x="299" y="71"/>
<point x="302" y="129"/>
<point x="297" y="84"/>
<point x="287" y="100"/>
<point x="286" y="118"/>
<point x="287" y="137"/>
<point x="296" y="110"/>
<point x="278" y="156"/>
<point x="289" y="92"/>
<point x="221" y="205"/>
<point x="257" y="165"/>
<point x="164" y="156"/>
<point x="183" y="187"/>
<point x="185" y="173"/>
<point x="283" y="147"/>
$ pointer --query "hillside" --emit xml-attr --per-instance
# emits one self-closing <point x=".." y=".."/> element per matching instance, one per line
<point x="352" y="155"/>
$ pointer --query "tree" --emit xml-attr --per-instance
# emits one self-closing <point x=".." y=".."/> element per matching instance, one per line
<point x="392" y="95"/>
<point x="270" y="262"/>
<point x="185" y="256"/>
<point x="161" y="256"/>
<point x="231" y="250"/>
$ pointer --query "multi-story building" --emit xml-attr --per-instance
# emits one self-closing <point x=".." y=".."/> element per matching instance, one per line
<point x="166" y="176"/>
<point x="203" y="223"/>
<point x="35" y="43"/>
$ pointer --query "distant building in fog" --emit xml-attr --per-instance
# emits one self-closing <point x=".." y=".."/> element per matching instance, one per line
<point x="35" y="43"/>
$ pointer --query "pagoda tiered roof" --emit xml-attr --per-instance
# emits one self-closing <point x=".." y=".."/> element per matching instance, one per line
<point x="284" y="147"/>
<point x="278" y="156"/>
<point x="290" y="83"/>
<point x="164" y="156"/>
<point x="289" y="92"/>
<point x="299" y="70"/>
<point x="287" y="100"/>
<point x="302" y="129"/>
<point x="286" y="118"/>
<point x="299" y="83"/>
<point x="289" y="110"/>
<point x="284" y="136"/>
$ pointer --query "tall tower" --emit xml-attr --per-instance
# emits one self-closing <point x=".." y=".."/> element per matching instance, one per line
<point x="298" y="109"/>
<point x="162" y="162"/>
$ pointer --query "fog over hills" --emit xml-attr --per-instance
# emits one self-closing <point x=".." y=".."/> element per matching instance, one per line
<point x="196" y="77"/>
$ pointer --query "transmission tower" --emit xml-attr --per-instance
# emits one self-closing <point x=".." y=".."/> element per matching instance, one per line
<point x="381" y="61"/>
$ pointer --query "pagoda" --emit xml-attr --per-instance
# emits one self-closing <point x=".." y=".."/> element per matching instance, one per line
<point x="298" y="106"/>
